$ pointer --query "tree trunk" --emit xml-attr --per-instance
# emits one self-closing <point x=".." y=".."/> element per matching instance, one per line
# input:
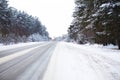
<point x="118" y="42"/>
<point x="119" y="45"/>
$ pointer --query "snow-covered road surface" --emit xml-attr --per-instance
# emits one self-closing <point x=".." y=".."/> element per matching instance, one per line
<point x="59" y="61"/>
<point x="25" y="64"/>
<point x="73" y="62"/>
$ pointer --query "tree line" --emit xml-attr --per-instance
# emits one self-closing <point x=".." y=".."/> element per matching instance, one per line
<point x="96" y="21"/>
<point x="18" y="26"/>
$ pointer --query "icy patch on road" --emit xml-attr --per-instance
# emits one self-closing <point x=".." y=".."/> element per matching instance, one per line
<point x="10" y="57"/>
<point x="37" y="69"/>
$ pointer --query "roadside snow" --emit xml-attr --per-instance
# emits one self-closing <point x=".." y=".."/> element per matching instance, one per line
<point x="70" y="62"/>
<point x="108" y="51"/>
<point x="5" y="47"/>
<point x="83" y="62"/>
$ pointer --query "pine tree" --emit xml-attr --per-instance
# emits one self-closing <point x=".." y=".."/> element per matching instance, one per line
<point x="18" y="26"/>
<point x="96" y="20"/>
<point x="107" y="22"/>
<point x="80" y="29"/>
<point x="4" y="18"/>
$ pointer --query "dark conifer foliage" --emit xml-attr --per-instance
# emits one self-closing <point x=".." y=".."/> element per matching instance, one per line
<point x="96" y="21"/>
<point x="17" y="26"/>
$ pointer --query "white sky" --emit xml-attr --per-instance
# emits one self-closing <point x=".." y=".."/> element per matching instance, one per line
<point x="56" y="15"/>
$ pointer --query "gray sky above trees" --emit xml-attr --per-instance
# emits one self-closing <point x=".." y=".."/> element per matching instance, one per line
<point x="56" y="15"/>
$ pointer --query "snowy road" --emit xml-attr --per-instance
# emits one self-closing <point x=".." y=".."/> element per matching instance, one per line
<point x="73" y="62"/>
<point x="59" y="61"/>
<point x="24" y="63"/>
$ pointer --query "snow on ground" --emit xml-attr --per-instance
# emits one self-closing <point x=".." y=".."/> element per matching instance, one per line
<point x="36" y="70"/>
<point x="110" y="51"/>
<point x="10" y="57"/>
<point x="83" y="62"/>
<point x="72" y="62"/>
<point x="5" y="47"/>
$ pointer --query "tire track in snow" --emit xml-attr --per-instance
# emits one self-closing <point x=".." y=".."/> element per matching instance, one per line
<point x="102" y="65"/>
<point x="15" y="67"/>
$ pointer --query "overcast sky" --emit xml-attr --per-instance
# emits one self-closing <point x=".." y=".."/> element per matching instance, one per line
<point x="56" y="15"/>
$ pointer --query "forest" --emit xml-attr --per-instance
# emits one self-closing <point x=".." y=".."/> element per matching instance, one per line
<point x="96" y="21"/>
<point x="18" y="26"/>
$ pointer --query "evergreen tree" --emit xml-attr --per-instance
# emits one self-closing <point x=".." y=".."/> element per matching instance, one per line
<point x="17" y="26"/>
<point x="4" y="18"/>
<point x="107" y="23"/>
<point x="82" y="18"/>
<point x="97" y="21"/>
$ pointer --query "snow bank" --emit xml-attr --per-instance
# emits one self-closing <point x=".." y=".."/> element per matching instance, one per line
<point x="110" y="51"/>
<point x="5" y="47"/>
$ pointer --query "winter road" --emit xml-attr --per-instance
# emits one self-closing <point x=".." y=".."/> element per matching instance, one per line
<point x="29" y="61"/>
<point x="56" y="61"/>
